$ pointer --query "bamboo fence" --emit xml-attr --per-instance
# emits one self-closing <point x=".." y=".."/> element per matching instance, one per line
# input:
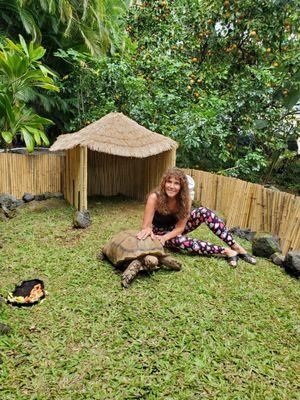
<point x="34" y="174"/>
<point x="249" y="205"/>
<point x="84" y="172"/>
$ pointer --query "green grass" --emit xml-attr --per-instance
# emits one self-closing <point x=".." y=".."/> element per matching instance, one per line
<point x="207" y="331"/>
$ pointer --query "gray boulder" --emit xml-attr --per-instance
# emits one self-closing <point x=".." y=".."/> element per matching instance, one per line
<point x="57" y="195"/>
<point x="48" y="195"/>
<point x="8" y="200"/>
<point x="27" y="197"/>
<point x="8" y="206"/>
<point x="264" y="245"/>
<point x="244" y="233"/>
<point x="292" y="263"/>
<point x="39" y="197"/>
<point x="3" y="217"/>
<point x="82" y="219"/>
<point x="277" y="259"/>
<point x="9" y="212"/>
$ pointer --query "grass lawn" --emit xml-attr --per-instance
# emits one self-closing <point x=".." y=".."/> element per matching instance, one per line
<point x="208" y="331"/>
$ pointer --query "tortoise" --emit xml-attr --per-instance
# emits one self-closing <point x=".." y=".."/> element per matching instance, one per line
<point x="132" y="255"/>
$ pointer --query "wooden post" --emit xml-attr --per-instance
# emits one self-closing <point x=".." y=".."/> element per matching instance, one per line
<point x="83" y="179"/>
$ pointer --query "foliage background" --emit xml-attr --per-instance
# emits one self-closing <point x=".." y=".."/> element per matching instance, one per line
<point x="220" y="77"/>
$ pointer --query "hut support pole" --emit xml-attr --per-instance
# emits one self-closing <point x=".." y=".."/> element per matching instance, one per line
<point x="83" y="179"/>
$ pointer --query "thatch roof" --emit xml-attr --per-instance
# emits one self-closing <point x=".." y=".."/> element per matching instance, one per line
<point x="116" y="134"/>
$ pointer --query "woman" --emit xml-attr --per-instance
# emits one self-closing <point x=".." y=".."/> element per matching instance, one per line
<point x="168" y="217"/>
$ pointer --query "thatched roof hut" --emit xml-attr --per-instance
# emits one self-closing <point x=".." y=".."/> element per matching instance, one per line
<point x="113" y="155"/>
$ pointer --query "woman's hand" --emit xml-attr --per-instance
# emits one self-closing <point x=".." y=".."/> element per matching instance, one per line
<point x="162" y="239"/>
<point x="144" y="233"/>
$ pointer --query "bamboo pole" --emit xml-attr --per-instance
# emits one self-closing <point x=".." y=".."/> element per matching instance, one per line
<point x="83" y="178"/>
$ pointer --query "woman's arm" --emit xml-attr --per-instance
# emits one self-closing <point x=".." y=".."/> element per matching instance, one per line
<point x="179" y="228"/>
<point x="148" y="218"/>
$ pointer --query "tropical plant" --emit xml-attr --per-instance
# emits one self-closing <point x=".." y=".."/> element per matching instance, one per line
<point x="92" y="24"/>
<point x="21" y="73"/>
<point x="219" y="77"/>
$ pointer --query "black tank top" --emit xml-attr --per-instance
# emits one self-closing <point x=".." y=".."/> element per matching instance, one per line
<point x="164" y="220"/>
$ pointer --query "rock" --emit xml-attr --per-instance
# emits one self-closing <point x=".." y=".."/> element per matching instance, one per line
<point x="3" y="217"/>
<point x="292" y="263"/>
<point x="5" y="329"/>
<point x="244" y="233"/>
<point x="39" y="197"/>
<point x="9" y="205"/>
<point x="9" y="212"/>
<point x="19" y="203"/>
<point x="264" y="245"/>
<point x="82" y="219"/>
<point x="27" y="197"/>
<point x="57" y="195"/>
<point x="8" y="201"/>
<point x="277" y="259"/>
<point x="48" y="195"/>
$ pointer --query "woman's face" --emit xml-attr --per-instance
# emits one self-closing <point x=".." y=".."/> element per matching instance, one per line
<point x="172" y="186"/>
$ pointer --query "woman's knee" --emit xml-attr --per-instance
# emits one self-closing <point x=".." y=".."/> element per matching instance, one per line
<point x="203" y="213"/>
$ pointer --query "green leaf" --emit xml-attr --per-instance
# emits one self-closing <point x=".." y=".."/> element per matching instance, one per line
<point x="49" y="87"/>
<point x="261" y="123"/>
<point x="24" y="45"/>
<point x="7" y="136"/>
<point x="36" y="134"/>
<point x="46" y="71"/>
<point x="36" y="119"/>
<point x="12" y="46"/>
<point x="44" y="138"/>
<point x="37" y="53"/>
<point x="28" y="139"/>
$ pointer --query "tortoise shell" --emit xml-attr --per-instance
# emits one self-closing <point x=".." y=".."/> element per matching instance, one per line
<point x="126" y="247"/>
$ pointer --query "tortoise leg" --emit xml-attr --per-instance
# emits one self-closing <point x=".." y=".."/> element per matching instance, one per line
<point x="170" y="262"/>
<point x="101" y="256"/>
<point x="130" y="272"/>
<point x="150" y="263"/>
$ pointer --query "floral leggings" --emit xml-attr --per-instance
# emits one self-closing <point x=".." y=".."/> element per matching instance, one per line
<point x="197" y="217"/>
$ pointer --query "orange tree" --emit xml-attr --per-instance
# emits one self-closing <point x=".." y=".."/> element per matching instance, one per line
<point x="220" y="77"/>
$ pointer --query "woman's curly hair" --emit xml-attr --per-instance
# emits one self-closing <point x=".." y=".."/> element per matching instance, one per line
<point x="182" y="198"/>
